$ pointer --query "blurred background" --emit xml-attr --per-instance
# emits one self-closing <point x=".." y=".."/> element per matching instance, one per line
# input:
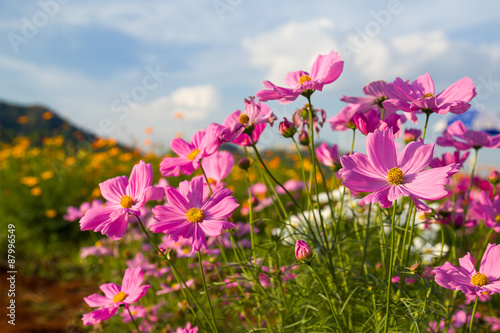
<point x="89" y="88"/>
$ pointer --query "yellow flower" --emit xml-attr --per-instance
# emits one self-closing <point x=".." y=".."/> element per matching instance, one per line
<point x="29" y="181"/>
<point x="47" y="115"/>
<point x="47" y="174"/>
<point x="36" y="191"/>
<point x="96" y="193"/>
<point x="50" y="213"/>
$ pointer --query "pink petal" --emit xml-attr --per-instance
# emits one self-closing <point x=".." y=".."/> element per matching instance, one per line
<point x="110" y="289"/>
<point x="467" y="265"/>
<point x="426" y="84"/>
<point x="379" y="196"/>
<point x="116" y="227"/>
<point x="415" y="157"/>
<point x="292" y="78"/>
<point x="428" y="184"/>
<point x="174" y="166"/>
<point x="132" y="279"/>
<point x="114" y="189"/>
<point x="490" y="264"/>
<point x="96" y="300"/>
<point x="327" y="68"/>
<point x="381" y="150"/>
<point x="96" y="216"/>
<point x="396" y="192"/>
<point x="176" y="199"/>
<point x="211" y="228"/>
<point x="140" y="178"/>
<point x="462" y="90"/>
<point x="95" y="317"/>
<point x="181" y="147"/>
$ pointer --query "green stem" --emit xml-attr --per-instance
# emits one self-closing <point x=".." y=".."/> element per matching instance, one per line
<point x="427" y="114"/>
<point x="250" y="216"/>
<point x="332" y="308"/>
<point x="178" y="277"/>
<point x="472" y="316"/>
<point x="467" y="202"/>
<point x="391" y="266"/>
<point x="206" y="290"/>
<point x="133" y="320"/>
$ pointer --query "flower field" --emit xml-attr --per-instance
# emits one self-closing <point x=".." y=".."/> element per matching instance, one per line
<point x="223" y="235"/>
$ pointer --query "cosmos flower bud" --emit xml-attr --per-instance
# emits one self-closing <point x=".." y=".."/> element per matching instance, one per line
<point x="287" y="128"/>
<point x="411" y="134"/>
<point x="302" y="251"/>
<point x="494" y="177"/>
<point x="244" y="164"/>
<point x="415" y="268"/>
<point x="304" y="138"/>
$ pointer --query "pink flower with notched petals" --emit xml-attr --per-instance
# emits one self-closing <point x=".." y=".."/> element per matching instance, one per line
<point x="389" y="176"/>
<point x="203" y="143"/>
<point x="448" y="158"/>
<point x="458" y="136"/>
<point x="419" y="96"/>
<point x="188" y="216"/>
<point x="188" y="329"/>
<point x="74" y="213"/>
<point x="325" y="70"/>
<point x="467" y="280"/>
<point x="487" y="209"/>
<point x="114" y="296"/>
<point x="328" y="156"/>
<point x="124" y="196"/>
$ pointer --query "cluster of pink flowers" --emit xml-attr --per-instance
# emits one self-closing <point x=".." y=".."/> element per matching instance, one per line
<point x="195" y="214"/>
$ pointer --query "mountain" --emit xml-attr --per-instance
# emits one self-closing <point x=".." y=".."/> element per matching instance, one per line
<point x="37" y="122"/>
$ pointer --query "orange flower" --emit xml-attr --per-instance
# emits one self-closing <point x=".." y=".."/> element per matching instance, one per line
<point x="22" y="119"/>
<point x="36" y="191"/>
<point x="50" y="213"/>
<point x="47" y="115"/>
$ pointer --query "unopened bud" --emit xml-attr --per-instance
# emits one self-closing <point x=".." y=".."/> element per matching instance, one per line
<point x="302" y="251"/>
<point x="494" y="177"/>
<point x="304" y="138"/>
<point x="411" y="134"/>
<point x="287" y="128"/>
<point x="244" y="164"/>
<point x="415" y="268"/>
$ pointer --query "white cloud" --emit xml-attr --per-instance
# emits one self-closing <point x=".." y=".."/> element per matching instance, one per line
<point x="290" y="47"/>
<point x="194" y="102"/>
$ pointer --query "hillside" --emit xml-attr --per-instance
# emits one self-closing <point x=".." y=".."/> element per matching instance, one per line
<point x="37" y="122"/>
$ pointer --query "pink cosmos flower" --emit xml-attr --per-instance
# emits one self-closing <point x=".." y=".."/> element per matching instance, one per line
<point x="369" y="122"/>
<point x="375" y="94"/>
<point x="389" y="176"/>
<point x="412" y="134"/>
<point x="328" y="156"/>
<point x="188" y="329"/>
<point x="217" y="167"/>
<point x="115" y="295"/>
<point x="74" y="213"/>
<point x="203" y="143"/>
<point x="97" y="250"/>
<point x="467" y="279"/>
<point x="124" y="196"/>
<point x="488" y="210"/>
<point x="420" y="95"/>
<point x="325" y="70"/>
<point x="448" y="158"/>
<point x="458" y="136"/>
<point x="137" y="311"/>
<point x="166" y="289"/>
<point x="239" y="122"/>
<point x="493" y="322"/>
<point x="290" y="185"/>
<point x="189" y="217"/>
<point x="343" y="120"/>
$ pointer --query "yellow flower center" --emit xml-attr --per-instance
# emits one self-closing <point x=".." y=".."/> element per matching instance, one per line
<point x="479" y="280"/>
<point x="194" y="215"/>
<point x="98" y="244"/>
<point x="395" y="176"/>
<point x="428" y="95"/>
<point x="127" y="201"/>
<point x="304" y="78"/>
<point x="119" y="297"/>
<point x="244" y="119"/>
<point x="211" y="181"/>
<point x="497" y="218"/>
<point x="192" y="155"/>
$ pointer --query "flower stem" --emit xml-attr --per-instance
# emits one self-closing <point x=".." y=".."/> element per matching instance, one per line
<point x="250" y="216"/>
<point x="178" y="277"/>
<point x="332" y="308"/>
<point x="427" y="114"/>
<point x="391" y="266"/>
<point x="472" y="315"/>
<point x="133" y="320"/>
<point x="206" y="290"/>
<point x="467" y="201"/>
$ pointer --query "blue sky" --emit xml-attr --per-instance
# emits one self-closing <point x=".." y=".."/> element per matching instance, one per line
<point x="117" y="67"/>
